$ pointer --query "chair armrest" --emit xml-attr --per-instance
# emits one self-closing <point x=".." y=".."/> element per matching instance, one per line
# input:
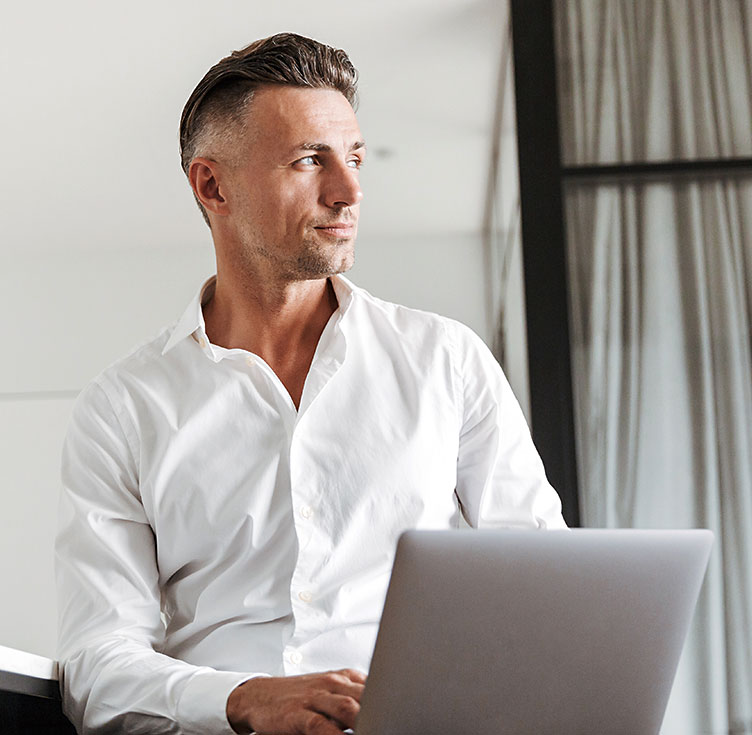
<point x="30" y="695"/>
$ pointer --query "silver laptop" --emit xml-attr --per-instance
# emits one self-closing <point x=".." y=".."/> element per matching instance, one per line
<point x="560" y="632"/>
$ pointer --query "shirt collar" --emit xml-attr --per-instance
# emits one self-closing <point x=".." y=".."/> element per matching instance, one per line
<point x="191" y="323"/>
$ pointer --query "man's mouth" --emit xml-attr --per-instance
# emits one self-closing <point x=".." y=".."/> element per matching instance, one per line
<point x="340" y="230"/>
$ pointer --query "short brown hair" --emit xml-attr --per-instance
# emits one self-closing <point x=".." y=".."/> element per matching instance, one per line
<point x="222" y="96"/>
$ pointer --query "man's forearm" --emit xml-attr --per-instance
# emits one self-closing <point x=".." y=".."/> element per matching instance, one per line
<point x="119" y="684"/>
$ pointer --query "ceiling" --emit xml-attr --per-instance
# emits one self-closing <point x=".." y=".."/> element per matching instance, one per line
<point x="92" y="94"/>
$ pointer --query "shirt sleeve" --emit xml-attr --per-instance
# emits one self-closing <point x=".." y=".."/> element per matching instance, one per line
<point x="501" y="481"/>
<point x="113" y="677"/>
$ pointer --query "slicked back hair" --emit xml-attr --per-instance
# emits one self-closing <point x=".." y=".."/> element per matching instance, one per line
<point x="217" y="106"/>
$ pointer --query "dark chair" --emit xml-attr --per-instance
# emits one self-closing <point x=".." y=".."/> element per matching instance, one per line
<point x="30" y="696"/>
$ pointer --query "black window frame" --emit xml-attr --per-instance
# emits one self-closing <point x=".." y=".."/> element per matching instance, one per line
<point x="542" y="179"/>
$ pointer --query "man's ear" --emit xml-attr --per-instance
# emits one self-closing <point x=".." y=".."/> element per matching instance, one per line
<point x="205" y="178"/>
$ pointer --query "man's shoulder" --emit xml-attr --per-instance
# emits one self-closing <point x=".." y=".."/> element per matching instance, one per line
<point x="410" y="320"/>
<point x="399" y="314"/>
<point x="140" y="362"/>
<point x="122" y="388"/>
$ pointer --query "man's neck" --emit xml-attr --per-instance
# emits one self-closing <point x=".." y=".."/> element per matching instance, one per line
<point x="281" y="322"/>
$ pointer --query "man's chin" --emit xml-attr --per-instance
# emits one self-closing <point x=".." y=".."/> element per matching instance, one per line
<point x="345" y="264"/>
<point x="315" y="267"/>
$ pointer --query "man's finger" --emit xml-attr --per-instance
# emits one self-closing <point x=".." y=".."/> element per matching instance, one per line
<point x="314" y="723"/>
<point x="338" y="683"/>
<point x="343" y="710"/>
<point x="354" y="675"/>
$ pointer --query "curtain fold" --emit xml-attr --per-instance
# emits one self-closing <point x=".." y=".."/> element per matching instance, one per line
<point x="645" y="80"/>
<point x="661" y="306"/>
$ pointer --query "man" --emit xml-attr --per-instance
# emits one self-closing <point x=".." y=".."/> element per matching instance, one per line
<point x="234" y="488"/>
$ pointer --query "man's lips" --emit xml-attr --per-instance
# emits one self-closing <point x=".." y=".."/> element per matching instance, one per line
<point x="337" y="229"/>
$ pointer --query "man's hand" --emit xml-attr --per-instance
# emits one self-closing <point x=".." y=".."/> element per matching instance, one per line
<point x="312" y="704"/>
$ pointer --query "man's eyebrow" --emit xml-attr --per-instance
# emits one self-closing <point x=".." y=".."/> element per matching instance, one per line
<point x="324" y="148"/>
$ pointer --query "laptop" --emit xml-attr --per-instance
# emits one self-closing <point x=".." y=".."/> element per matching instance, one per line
<point x="532" y="632"/>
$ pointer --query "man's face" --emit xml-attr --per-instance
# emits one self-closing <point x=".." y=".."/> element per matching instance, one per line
<point x="293" y="191"/>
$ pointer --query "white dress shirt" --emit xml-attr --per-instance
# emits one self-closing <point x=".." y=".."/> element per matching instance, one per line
<point x="211" y="532"/>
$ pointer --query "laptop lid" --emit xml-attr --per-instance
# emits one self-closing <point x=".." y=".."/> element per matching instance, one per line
<point x="571" y="631"/>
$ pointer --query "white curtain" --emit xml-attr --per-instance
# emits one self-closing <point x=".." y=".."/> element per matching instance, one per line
<point x="502" y="234"/>
<point x="661" y="301"/>
<point x="654" y="79"/>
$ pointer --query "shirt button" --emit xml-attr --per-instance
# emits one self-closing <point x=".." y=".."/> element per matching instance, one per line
<point x="250" y="360"/>
<point x="305" y="595"/>
<point x="306" y="511"/>
<point x="296" y="657"/>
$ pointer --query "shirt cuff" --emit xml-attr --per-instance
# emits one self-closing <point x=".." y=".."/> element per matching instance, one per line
<point x="202" y="708"/>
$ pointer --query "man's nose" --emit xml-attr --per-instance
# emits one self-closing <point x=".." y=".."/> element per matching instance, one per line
<point x="342" y="187"/>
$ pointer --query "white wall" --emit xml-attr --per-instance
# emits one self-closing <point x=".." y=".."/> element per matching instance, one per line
<point x="31" y="432"/>
<point x="437" y="273"/>
<point x="68" y="315"/>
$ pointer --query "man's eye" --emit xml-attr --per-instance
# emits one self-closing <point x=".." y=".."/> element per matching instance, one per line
<point x="355" y="163"/>
<point x="307" y="160"/>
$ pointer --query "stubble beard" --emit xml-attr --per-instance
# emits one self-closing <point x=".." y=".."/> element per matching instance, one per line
<point x="314" y="260"/>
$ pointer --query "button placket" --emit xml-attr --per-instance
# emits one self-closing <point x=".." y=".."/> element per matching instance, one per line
<point x="304" y="592"/>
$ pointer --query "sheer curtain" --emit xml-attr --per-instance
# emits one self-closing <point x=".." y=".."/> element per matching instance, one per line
<point x="502" y="232"/>
<point x="661" y="301"/>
